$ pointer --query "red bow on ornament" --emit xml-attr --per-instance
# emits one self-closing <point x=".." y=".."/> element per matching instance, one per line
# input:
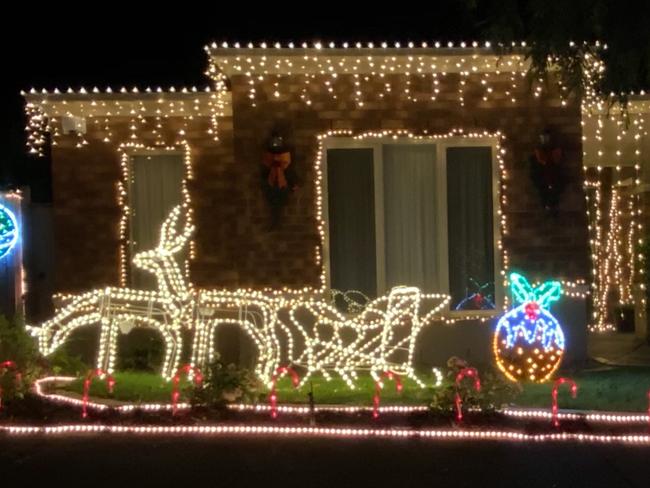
<point x="277" y="163"/>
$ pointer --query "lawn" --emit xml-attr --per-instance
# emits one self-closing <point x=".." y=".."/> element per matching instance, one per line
<point x="622" y="389"/>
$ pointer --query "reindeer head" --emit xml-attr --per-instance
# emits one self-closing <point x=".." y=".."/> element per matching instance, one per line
<point x="162" y="260"/>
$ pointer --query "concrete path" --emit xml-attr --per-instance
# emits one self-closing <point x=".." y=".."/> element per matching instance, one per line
<point x="619" y="349"/>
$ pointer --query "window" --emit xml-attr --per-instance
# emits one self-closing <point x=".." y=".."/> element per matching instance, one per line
<point x="155" y="188"/>
<point x="418" y="213"/>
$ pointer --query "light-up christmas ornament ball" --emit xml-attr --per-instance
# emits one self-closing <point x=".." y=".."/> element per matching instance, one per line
<point x="528" y="340"/>
<point x="8" y="230"/>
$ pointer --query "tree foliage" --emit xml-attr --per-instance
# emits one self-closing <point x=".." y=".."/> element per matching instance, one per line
<point x="549" y="26"/>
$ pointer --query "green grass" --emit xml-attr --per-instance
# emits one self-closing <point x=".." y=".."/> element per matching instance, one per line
<point x="623" y="389"/>
<point x="130" y="386"/>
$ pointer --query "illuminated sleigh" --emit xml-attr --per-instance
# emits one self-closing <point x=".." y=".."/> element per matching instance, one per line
<point x="305" y="332"/>
<point x="381" y="338"/>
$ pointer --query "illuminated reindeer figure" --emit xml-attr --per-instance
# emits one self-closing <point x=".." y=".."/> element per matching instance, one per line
<point x="306" y="332"/>
<point x="112" y="308"/>
<point x="173" y="306"/>
<point x="255" y="312"/>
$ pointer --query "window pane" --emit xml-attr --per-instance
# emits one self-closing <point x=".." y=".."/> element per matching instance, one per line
<point x="470" y="228"/>
<point x="351" y="217"/>
<point x="411" y="223"/>
<point x="155" y="190"/>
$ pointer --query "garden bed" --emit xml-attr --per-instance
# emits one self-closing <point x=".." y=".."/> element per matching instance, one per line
<point x="606" y="389"/>
<point x="39" y="412"/>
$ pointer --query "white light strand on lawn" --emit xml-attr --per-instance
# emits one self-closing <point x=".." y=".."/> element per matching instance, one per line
<point x="327" y="432"/>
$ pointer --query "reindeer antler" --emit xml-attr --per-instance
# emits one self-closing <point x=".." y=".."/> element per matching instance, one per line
<point x="171" y="239"/>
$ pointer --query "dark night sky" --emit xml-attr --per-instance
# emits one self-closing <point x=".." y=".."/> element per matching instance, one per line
<point x="100" y="44"/>
<point x="62" y="47"/>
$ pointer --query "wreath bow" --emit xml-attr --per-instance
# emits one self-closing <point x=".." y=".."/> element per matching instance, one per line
<point x="277" y="163"/>
<point x="545" y="156"/>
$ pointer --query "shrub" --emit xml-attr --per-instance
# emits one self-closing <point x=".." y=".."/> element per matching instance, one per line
<point x="140" y="350"/>
<point x="226" y="383"/>
<point x="60" y="362"/>
<point x="496" y="391"/>
<point x="18" y="346"/>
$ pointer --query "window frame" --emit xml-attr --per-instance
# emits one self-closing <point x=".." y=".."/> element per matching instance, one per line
<point x="442" y="144"/>
<point x="126" y="183"/>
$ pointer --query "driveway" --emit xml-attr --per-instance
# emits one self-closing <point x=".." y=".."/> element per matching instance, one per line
<point x="102" y="460"/>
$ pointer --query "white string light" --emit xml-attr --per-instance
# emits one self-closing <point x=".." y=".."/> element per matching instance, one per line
<point x="330" y="432"/>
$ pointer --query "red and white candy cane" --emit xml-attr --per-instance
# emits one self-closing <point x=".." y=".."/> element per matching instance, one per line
<point x="5" y="365"/>
<point x="649" y="408"/>
<point x="375" y="399"/>
<point x="559" y="382"/>
<point x="462" y="374"/>
<point x="110" y="382"/>
<point x="273" y="396"/>
<point x="197" y="377"/>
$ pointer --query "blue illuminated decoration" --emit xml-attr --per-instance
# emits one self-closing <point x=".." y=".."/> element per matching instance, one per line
<point x="528" y="340"/>
<point x="481" y="298"/>
<point x="8" y="230"/>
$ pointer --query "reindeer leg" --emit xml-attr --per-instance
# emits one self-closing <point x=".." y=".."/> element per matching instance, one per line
<point x="199" y="349"/>
<point x="107" y="344"/>
<point x="174" y="339"/>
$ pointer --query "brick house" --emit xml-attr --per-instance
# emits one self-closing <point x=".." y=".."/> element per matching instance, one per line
<point x="466" y="119"/>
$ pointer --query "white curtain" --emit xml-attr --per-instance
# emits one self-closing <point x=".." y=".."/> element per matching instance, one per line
<point x="411" y="224"/>
<point x="155" y="189"/>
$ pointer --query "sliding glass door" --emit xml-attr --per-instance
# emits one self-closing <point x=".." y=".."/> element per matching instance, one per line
<point x="416" y="214"/>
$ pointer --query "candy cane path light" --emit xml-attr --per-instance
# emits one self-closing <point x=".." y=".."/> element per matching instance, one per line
<point x="110" y="382"/>
<point x="559" y="382"/>
<point x="648" y="408"/>
<point x="197" y="377"/>
<point x="458" y="401"/>
<point x="273" y="395"/>
<point x="378" y="386"/>
<point x="5" y="365"/>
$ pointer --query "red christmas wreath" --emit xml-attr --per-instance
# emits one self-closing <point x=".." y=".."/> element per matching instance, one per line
<point x="278" y="175"/>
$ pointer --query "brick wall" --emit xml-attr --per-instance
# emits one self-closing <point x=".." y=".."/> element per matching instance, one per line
<point x="235" y="244"/>
<point x="538" y="244"/>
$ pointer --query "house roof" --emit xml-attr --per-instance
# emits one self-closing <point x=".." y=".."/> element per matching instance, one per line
<point x="371" y="58"/>
<point x="109" y="103"/>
